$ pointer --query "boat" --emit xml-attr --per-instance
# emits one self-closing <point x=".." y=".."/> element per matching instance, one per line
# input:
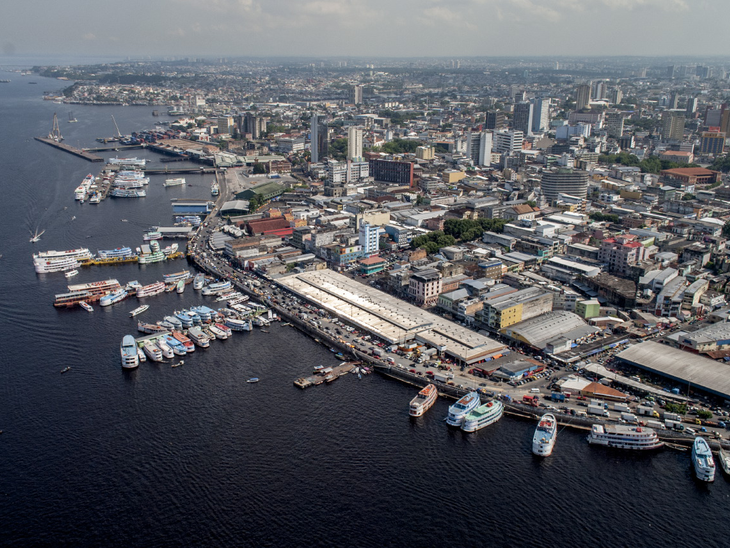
<point x="702" y="459"/>
<point x="152" y="235"/>
<point x="238" y="325"/>
<point x="217" y="332"/>
<point x="724" y="459"/>
<point x="136" y="162"/>
<point x="151" y="254"/>
<point x="198" y="337"/>
<point x="178" y="364"/>
<point x="128" y="193"/>
<point x="180" y="286"/>
<point x="178" y="181"/>
<point x="102" y="287"/>
<point x="546" y="432"/>
<point x="253" y="380"/>
<point x="423" y="401"/>
<point x="118" y="253"/>
<point x="139" y="310"/>
<point x="65" y="370"/>
<point x="177" y="276"/>
<point x="71" y="118"/>
<point x="36" y="236"/>
<point x="187" y="343"/>
<point x="165" y="348"/>
<point x="225" y="329"/>
<point x="72" y="273"/>
<point x="128" y="350"/>
<point x="150" y="290"/>
<point x="178" y="348"/>
<point x="113" y="298"/>
<point x="141" y="355"/>
<point x="482" y="416"/>
<point x="150" y="328"/>
<point x="199" y="281"/>
<point x="215" y="190"/>
<point x="174" y="321"/>
<point x="462" y="408"/>
<point x="44" y="266"/>
<point x="81" y="253"/>
<point x="621" y="436"/>
<point x="216" y="288"/>
<point x="152" y="351"/>
<point x="86" y="306"/>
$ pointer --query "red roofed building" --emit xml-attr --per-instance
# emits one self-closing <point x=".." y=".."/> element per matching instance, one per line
<point x="621" y="253"/>
<point x="275" y="226"/>
<point x="372" y="265"/>
<point x="691" y="175"/>
<point x="598" y="390"/>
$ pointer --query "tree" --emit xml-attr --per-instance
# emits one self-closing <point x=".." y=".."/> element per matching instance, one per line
<point x="338" y="149"/>
<point x="721" y="164"/>
<point x="726" y="229"/>
<point x="259" y="168"/>
<point x="704" y="414"/>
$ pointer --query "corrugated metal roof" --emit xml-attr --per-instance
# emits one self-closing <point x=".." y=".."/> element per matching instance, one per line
<point x="679" y="365"/>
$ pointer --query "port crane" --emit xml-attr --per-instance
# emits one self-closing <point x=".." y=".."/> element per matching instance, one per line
<point x="55" y="133"/>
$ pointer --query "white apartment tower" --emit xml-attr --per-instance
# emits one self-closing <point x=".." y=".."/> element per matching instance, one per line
<point x="354" y="144"/>
<point x="479" y="147"/>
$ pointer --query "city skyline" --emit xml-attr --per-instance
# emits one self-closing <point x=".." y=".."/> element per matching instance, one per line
<point x="367" y="28"/>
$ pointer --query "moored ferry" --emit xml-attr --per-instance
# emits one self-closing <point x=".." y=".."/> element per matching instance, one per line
<point x="81" y="254"/>
<point x="177" y="347"/>
<point x="45" y="266"/>
<point x="218" y="332"/>
<point x="150" y="328"/>
<point x="621" y="436"/>
<point x="113" y="298"/>
<point x="177" y="276"/>
<point x="482" y="416"/>
<point x="198" y="337"/>
<point x="104" y="286"/>
<point x="180" y="288"/>
<point x="128" y="350"/>
<point x="187" y="343"/>
<point x="86" y="306"/>
<point x="118" y="253"/>
<point x="462" y="408"/>
<point x="152" y="351"/>
<point x="724" y="459"/>
<point x="199" y="281"/>
<point x="151" y="290"/>
<point x="546" y="432"/>
<point x="423" y="401"/>
<point x="702" y="460"/>
<point x="217" y="287"/>
<point x="177" y="181"/>
<point x="165" y="348"/>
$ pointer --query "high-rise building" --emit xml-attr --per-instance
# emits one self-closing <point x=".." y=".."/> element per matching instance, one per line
<point x="725" y="122"/>
<point x="614" y="124"/>
<point x="564" y="181"/>
<point x="673" y="101"/>
<point x="582" y="96"/>
<point x="508" y="141"/>
<point x="425" y="153"/>
<point x="522" y="120"/>
<point x="712" y="142"/>
<point x="369" y="238"/>
<point x="354" y="144"/>
<point x="600" y="90"/>
<point x="691" y="106"/>
<point x="672" y="126"/>
<point x="319" y="138"/>
<point x="356" y="95"/>
<point x="670" y="71"/>
<point x="392" y="171"/>
<point x="495" y="120"/>
<point x="479" y="147"/>
<point x="225" y="125"/>
<point x="713" y="117"/>
<point x="541" y="115"/>
<point x="615" y="96"/>
<point x="255" y="125"/>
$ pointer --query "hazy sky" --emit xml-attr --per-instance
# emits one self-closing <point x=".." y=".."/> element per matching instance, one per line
<point x="366" y="27"/>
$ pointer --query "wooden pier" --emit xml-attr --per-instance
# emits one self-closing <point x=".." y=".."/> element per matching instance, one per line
<point x="73" y="150"/>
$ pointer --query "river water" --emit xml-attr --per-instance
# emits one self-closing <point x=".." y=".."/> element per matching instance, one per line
<point x="196" y="456"/>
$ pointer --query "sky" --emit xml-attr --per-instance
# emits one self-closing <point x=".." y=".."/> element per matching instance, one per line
<point x="365" y="28"/>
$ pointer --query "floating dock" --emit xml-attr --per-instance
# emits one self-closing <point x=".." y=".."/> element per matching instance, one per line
<point x="332" y="374"/>
<point x="73" y="150"/>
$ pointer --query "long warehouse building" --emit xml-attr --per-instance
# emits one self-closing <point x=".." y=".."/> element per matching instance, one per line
<point x="684" y="367"/>
<point x="387" y="317"/>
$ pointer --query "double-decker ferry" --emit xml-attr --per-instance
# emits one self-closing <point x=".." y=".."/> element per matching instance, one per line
<point x="621" y="436"/>
<point x="546" y="432"/>
<point x="151" y="289"/>
<point x="423" y="401"/>
<point x="177" y="276"/>
<point x="128" y="350"/>
<point x="462" y="408"/>
<point x="113" y="298"/>
<point x="118" y="253"/>
<point x="702" y="460"/>
<point x="482" y="416"/>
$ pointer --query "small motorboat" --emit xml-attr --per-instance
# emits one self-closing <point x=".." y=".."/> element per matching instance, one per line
<point x="86" y="306"/>
<point x="253" y="379"/>
<point x="65" y="370"/>
<point x="178" y="364"/>
<point x="72" y="273"/>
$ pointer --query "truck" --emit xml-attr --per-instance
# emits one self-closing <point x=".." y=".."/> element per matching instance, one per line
<point x="530" y="400"/>
<point x="643" y="410"/>
<point x="672" y="417"/>
<point x="557" y="396"/>
<point x="622" y="407"/>
<point x="598" y="410"/>
<point x="443" y="377"/>
<point x="656" y="425"/>
<point x="630" y="418"/>
<point x="673" y="425"/>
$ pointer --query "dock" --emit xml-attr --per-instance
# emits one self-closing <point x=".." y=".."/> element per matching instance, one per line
<point x="114" y="148"/>
<point x="73" y="150"/>
<point x="333" y="373"/>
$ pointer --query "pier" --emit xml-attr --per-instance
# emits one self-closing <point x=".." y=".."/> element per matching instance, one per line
<point x="333" y="373"/>
<point x="68" y="148"/>
<point x="113" y="147"/>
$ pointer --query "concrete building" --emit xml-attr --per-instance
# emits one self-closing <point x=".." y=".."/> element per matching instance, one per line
<point x="251" y="124"/>
<point x="479" y="147"/>
<point x="507" y="310"/>
<point x="391" y="171"/>
<point x="541" y="115"/>
<point x="354" y="144"/>
<point x="508" y="141"/>
<point x="522" y="119"/>
<point x="621" y="253"/>
<point x="225" y="125"/>
<point x="672" y="126"/>
<point x="573" y="182"/>
<point x="425" y="153"/>
<point x="424" y="286"/>
<point x="369" y="239"/>
<point x="712" y="142"/>
<point x="356" y="95"/>
<point x="582" y="96"/>
<point x="319" y="138"/>
<point x="495" y="120"/>
<point x="614" y="124"/>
